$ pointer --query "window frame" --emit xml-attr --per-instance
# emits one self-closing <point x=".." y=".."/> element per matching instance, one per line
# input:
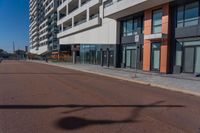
<point x="124" y="24"/>
<point x="184" y="11"/>
<point x="158" y="25"/>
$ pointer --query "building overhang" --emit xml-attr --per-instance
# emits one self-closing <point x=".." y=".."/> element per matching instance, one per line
<point x="124" y="8"/>
<point x="157" y="36"/>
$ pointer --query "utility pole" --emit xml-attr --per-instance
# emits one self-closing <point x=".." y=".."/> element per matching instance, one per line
<point x="14" y="53"/>
<point x="13" y="47"/>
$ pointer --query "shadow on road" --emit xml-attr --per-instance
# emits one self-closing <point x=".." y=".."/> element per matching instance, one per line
<point x="85" y="106"/>
<point x="42" y="73"/>
<point x="73" y="122"/>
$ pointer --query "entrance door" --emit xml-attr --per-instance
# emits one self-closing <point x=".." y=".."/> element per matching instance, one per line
<point x="155" y="57"/>
<point x="133" y="58"/>
<point x="111" y="59"/>
<point x="189" y="54"/>
<point x="128" y="58"/>
<point x="197" y="62"/>
<point x="105" y="58"/>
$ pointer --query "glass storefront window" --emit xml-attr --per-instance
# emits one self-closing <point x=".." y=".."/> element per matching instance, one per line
<point x="157" y="21"/>
<point x="92" y="53"/>
<point x="188" y="56"/>
<point x="191" y="43"/>
<point x="197" y="65"/>
<point x="178" y="54"/>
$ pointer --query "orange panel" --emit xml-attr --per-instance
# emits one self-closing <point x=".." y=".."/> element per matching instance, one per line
<point x="147" y="56"/>
<point x="147" y="22"/>
<point x="164" y="59"/>
<point x="164" y="64"/>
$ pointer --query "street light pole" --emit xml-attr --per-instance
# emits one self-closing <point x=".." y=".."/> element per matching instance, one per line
<point x="13" y="47"/>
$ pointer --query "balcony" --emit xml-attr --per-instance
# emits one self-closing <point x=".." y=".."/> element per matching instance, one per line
<point x="83" y="2"/>
<point x="155" y="36"/>
<point x="50" y="8"/>
<point x="84" y="7"/>
<point x="73" y="5"/>
<point x="81" y="26"/>
<point x="62" y="13"/>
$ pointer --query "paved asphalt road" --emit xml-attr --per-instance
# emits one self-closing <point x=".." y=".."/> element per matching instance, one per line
<point x="38" y="98"/>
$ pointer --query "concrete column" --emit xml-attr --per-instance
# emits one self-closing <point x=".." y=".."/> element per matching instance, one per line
<point x="79" y="3"/>
<point x="58" y="15"/>
<point x="108" y="57"/>
<point x="62" y="27"/>
<point x="72" y="21"/>
<point x="102" y="57"/>
<point x="74" y="57"/>
<point x="88" y="14"/>
<point x="67" y="11"/>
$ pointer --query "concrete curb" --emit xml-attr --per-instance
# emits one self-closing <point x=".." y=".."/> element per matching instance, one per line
<point x="185" y="91"/>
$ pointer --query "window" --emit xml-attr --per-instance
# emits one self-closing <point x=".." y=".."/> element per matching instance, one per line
<point x="178" y="54"/>
<point x="180" y="16"/>
<point x="157" y="21"/>
<point x="191" y="14"/>
<point x="188" y="15"/>
<point x="130" y="25"/>
<point x="124" y="28"/>
<point x="135" y="24"/>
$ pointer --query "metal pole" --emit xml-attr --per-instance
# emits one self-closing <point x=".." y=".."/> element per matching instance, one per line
<point x="136" y="62"/>
<point x="13" y="47"/>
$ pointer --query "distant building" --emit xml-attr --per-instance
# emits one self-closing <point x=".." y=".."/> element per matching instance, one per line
<point x="20" y="54"/>
<point x="43" y="26"/>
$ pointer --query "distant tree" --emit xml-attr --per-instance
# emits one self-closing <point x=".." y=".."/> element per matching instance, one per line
<point x="1" y="50"/>
<point x="3" y="54"/>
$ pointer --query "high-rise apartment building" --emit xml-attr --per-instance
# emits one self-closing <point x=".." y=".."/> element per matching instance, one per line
<point x="151" y="35"/>
<point x="43" y="26"/>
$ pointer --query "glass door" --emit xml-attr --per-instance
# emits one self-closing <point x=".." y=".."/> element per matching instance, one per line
<point x="111" y="58"/>
<point x="155" y="57"/>
<point x="128" y="58"/>
<point x="188" y="63"/>
<point x="197" y="62"/>
<point x="133" y="58"/>
<point x="104" y="58"/>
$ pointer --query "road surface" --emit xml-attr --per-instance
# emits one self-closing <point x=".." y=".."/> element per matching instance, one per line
<point x="38" y="98"/>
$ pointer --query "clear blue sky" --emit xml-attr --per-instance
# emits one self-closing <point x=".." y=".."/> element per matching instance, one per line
<point x="14" y="24"/>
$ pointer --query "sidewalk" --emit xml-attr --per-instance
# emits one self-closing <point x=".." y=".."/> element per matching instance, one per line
<point x="179" y="83"/>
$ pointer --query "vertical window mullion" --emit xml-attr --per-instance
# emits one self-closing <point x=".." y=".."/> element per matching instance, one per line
<point x="133" y="28"/>
<point x="184" y="16"/>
